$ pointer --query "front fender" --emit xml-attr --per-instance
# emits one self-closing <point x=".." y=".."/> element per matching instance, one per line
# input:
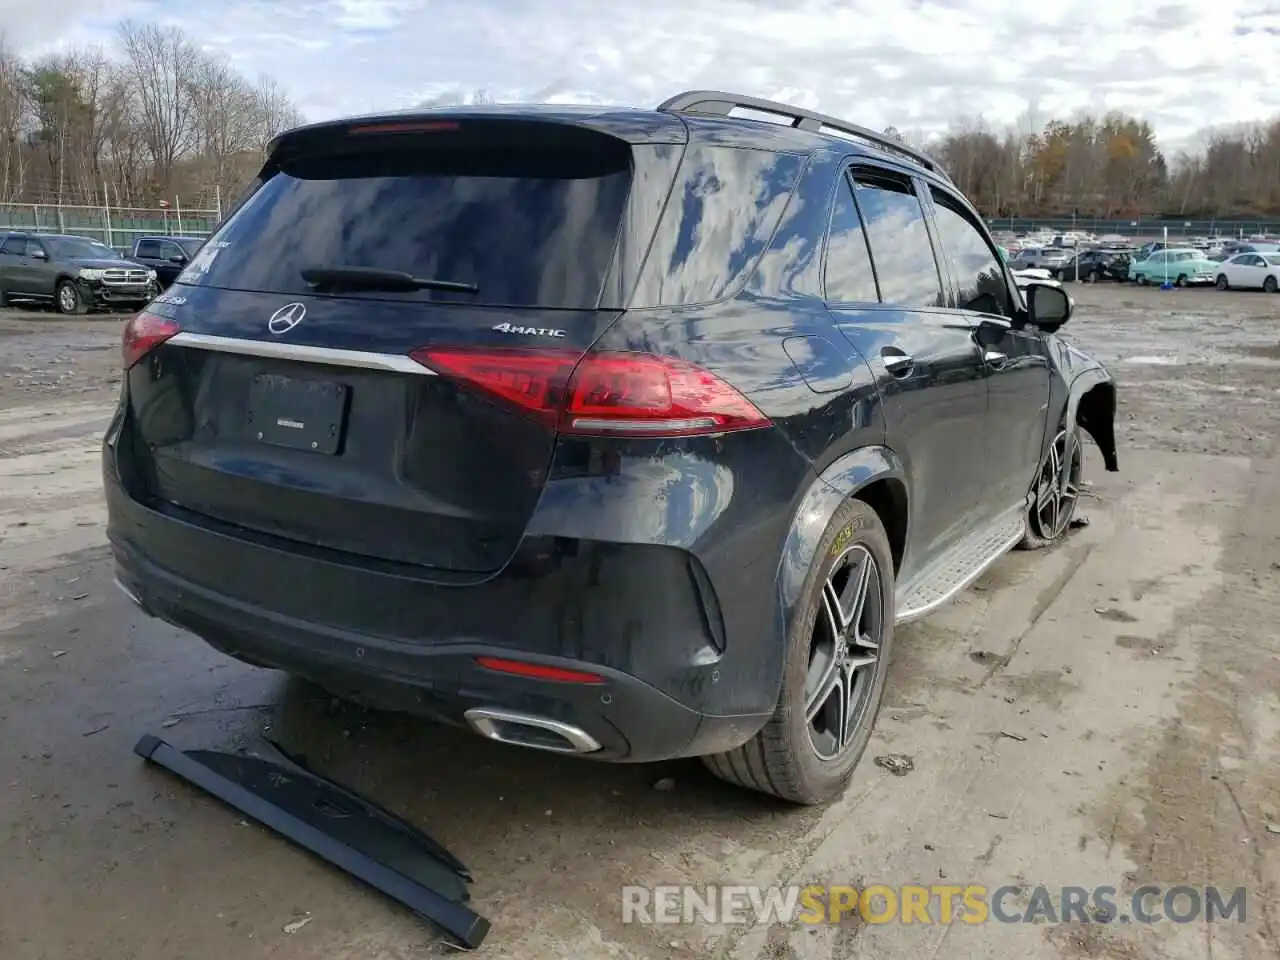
<point x="1091" y="397"/>
<point x="836" y="484"/>
<point x="1091" y="405"/>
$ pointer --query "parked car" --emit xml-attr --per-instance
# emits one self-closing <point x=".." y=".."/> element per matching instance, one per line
<point x="1256" y="246"/>
<point x="1092" y="266"/>
<point x="1043" y="258"/>
<point x="74" y="274"/>
<point x="1250" y="271"/>
<point x="456" y="414"/>
<point x="1177" y="266"/>
<point x="167" y="256"/>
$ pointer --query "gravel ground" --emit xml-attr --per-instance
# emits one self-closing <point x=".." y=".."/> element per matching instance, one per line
<point x="1105" y="712"/>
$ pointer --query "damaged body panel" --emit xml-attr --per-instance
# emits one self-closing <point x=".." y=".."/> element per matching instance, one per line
<point x="1091" y="396"/>
<point x="336" y="825"/>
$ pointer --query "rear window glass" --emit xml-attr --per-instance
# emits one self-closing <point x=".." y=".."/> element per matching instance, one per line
<point x="528" y="229"/>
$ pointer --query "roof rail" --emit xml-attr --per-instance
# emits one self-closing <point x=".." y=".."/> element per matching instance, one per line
<point x="715" y="103"/>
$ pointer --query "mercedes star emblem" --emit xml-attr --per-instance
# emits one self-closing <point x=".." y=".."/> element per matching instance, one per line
<point x="286" y="318"/>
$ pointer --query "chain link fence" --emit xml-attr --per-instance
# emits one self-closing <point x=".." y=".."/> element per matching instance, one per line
<point x="117" y="227"/>
<point x="1137" y="227"/>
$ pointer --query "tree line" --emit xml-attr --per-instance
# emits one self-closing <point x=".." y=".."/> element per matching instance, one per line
<point x="1109" y="167"/>
<point x="156" y="119"/>
<point x="160" y="119"/>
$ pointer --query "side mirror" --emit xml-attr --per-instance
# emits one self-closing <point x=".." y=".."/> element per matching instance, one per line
<point x="1048" y="307"/>
<point x="178" y="259"/>
<point x="39" y="255"/>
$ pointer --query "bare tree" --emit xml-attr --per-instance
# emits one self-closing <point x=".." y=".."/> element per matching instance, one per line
<point x="227" y="121"/>
<point x="15" y="122"/>
<point x="276" y="112"/>
<point x="161" y="65"/>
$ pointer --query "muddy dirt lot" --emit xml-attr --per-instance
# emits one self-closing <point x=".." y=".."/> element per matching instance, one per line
<point x="1105" y="713"/>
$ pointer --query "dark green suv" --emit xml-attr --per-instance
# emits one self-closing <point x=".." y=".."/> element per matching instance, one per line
<point x="74" y="274"/>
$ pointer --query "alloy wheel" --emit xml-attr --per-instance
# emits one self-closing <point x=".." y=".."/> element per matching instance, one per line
<point x="844" y="655"/>
<point x="1058" y="487"/>
<point x="67" y="299"/>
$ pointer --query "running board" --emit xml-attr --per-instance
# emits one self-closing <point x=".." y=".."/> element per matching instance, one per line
<point x="960" y="566"/>
<point x="336" y="825"/>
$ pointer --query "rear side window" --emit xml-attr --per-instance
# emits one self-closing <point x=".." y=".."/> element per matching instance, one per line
<point x="848" y="275"/>
<point x="723" y="210"/>
<point x="528" y="227"/>
<point x="899" y="239"/>
<point x="979" y="274"/>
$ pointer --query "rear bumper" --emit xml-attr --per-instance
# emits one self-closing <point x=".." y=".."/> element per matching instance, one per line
<point x="636" y="615"/>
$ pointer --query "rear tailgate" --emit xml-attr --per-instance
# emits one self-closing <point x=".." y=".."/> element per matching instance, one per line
<point x="301" y="413"/>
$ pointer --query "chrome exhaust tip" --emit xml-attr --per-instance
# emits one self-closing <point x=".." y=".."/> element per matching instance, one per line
<point x="527" y="730"/>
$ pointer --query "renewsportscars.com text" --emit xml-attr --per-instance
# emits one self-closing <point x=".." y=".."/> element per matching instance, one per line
<point x="930" y="904"/>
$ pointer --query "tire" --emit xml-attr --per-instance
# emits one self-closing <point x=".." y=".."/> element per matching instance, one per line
<point x="1181" y="281"/>
<point x="1142" y="279"/>
<point x="67" y="299"/>
<point x="795" y="758"/>
<point x="1269" y="285"/>
<point x="4" y="300"/>
<point x="1042" y="527"/>
<point x="1092" y="276"/>
<point x="1221" y="283"/>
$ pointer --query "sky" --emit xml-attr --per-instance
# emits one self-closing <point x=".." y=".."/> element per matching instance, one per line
<point x="917" y="65"/>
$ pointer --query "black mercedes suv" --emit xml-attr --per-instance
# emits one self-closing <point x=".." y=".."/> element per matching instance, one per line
<point x="629" y="434"/>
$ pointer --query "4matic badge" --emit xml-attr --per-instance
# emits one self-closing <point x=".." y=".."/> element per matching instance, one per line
<point x="528" y="331"/>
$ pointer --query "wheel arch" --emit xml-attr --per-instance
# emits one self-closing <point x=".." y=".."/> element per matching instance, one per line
<point x="873" y="474"/>
<point x="1091" y="405"/>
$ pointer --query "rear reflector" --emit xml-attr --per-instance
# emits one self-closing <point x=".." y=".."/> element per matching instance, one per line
<point x="601" y="393"/>
<point x="537" y="671"/>
<point x="142" y="334"/>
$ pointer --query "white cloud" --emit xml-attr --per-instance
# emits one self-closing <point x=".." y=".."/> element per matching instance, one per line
<point x="915" y="64"/>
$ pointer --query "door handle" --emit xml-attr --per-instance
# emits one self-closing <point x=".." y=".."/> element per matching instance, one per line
<point x="896" y="362"/>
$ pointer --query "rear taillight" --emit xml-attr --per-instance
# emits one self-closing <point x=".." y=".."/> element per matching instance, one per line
<point x="142" y="334"/>
<point x="601" y="394"/>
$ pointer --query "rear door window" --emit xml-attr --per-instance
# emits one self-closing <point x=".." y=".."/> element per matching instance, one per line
<point x="149" y="249"/>
<point x="848" y="276"/>
<point x="900" y="246"/>
<point x="526" y="227"/>
<point x="14" y="246"/>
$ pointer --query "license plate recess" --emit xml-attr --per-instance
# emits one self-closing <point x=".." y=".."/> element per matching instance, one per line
<point x="300" y="414"/>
